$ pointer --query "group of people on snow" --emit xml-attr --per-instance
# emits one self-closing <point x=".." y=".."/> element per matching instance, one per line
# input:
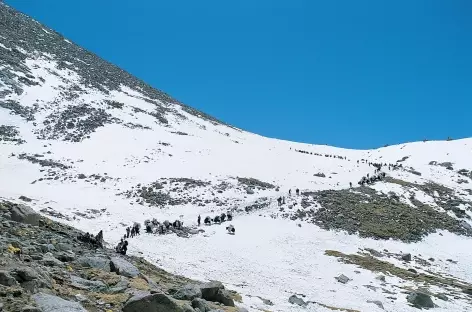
<point x="217" y="219"/>
<point x="132" y="231"/>
<point x="371" y="179"/>
<point x="156" y="227"/>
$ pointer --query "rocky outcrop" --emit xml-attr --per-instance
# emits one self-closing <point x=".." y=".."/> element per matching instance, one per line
<point x="420" y="300"/>
<point x="24" y="214"/>
<point x="152" y="303"/>
<point x="297" y="301"/>
<point x="122" y="267"/>
<point x="188" y="292"/>
<point x="100" y="263"/>
<point x="49" y="303"/>
<point x="45" y="267"/>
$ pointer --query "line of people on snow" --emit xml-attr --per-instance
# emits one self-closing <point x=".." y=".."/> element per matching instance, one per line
<point x="380" y="165"/>
<point x="217" y="219"/>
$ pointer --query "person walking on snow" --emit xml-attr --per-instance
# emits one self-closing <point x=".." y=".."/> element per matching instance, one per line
<point x="199" y="219"/>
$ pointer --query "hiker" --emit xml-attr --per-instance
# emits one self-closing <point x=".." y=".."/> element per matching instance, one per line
<point x="229" y="216"/>
<point x="199" y="219"/>
<point x="223" y="217"/>
<point x="124" y="248"/>
<point x="350" y="184"/>
<point x="132" y="232"/>
<point x="207" y="221"/>
<point x="118" y="247"/>
<point x="148" y="228"/>
<point x="127" y="232"/>
<point x="289" y="192"/>
<point x="217" y="219"/>
<point x="177" y="224"/>
<point x="279" y="200"/>
<point x="283" y="200"/>
<point x="231" y="229"/>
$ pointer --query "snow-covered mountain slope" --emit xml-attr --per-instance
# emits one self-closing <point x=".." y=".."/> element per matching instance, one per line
<point x="94" y="147"/>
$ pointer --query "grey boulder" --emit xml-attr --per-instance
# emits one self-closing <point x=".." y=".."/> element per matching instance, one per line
<point x="342" y="279"/>
<point x="6" y="279"/>
<point x="24" y="214"/>
<point x="406" y="257"/>
<point x="123" y="267"/>
<point x="81" y="283"/>
<point x="298" y="301"/>
<point x="100" y="263"/>
<point x="210" y="289"/>
<point x="50" y="303"/>
<point x="201" y="304"/>
<point x="50" y="260"/>
<point x="420" y="300"/>
<point x="377" y="303"/>
<point x="188" y="292"/>
<point x="216" y="292"/>
<point x="152" y="303"/>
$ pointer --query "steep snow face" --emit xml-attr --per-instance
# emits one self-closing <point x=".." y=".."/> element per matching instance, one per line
<point x="81" y="138"/>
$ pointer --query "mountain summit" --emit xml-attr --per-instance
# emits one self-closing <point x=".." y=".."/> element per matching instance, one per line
<point x="317" y="228"/>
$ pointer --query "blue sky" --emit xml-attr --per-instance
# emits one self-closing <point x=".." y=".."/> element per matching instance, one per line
<point x="356" y="74"/>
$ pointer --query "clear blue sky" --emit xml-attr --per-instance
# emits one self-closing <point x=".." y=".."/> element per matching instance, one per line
<point x="357" y="74"/>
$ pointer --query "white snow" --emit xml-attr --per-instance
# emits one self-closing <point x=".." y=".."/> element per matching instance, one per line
<point x="270" y="258"/>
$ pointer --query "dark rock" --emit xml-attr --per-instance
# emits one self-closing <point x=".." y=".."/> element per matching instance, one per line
<point x="406" y="257"/>
<point x="188" y="292"/>
<point x="50" y="303"/>
<point x="81" y="283"/>
<point x="442" y="297"/>
<point x="298" y="301"/>
<point x="24" y="274"/>
<point x="201" y="304"/>
<point x="342" y="279"/>
<point x="377" y="303"/>
<point x="152" y="303"/>
<point x="123" y="267"/>
<point x="210" y="290"/>
<point x="24" y="198"/>
<point x="224" y="296"/>
<point x="100" y="263"/>
<point x="50" y="260"/>
<point x="66" y="256"/>
<point x="24" y="214"/>
<point x="374" y="252"/>
<point x="63" y="247"/>
<point x="6" y="279"/>
<point x="420" y="300"/>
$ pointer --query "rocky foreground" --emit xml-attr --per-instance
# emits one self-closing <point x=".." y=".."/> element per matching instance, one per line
<point x="45" y="268"/>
